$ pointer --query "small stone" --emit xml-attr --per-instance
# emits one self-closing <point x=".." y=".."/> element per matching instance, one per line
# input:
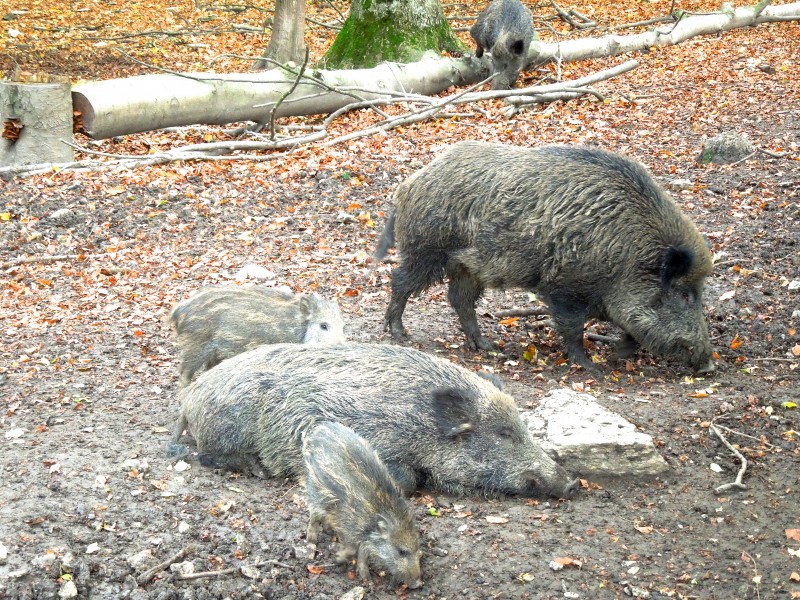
<point x="555" y="566"/>
<point x="252" y="271"/>
<point x="680" y="184"/>
<point x="68" y="590"/>
<point x="66" y="562"/>
<point x="60" y="214"/>
<point x="357" y="593"/>
<point x="344" y="217"/>
<point x="3" y="554"/>
<point x="305" y="552"/>
<point x="141" y="561"/>
<point x="728" y="147"/>
<point x="44" y="561"/>
<point x="183" y="527"/>
<point x="794" y="285"/>
<point x="182" y="568"/>
<point x="250" y="572"/>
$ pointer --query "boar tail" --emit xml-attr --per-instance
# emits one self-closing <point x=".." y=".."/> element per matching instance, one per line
<point x="387" y="238"/>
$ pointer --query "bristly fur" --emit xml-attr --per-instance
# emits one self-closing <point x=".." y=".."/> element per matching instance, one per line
<point x="589" y="230"/>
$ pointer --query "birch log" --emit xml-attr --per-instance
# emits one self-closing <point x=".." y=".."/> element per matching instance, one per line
<point x="41" y="113"/>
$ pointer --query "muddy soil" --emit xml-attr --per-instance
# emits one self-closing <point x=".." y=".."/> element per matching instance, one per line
<point x="88" y="372"/>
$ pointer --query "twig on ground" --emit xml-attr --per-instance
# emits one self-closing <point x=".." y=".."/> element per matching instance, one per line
<point x="756" y="577"/>
<point x="204" y="574"/>
<point x="737" y="484"/>
<point x="771" y="359"/>
<point x="536" y="311"/>
<point x="729" y="430"/>
<point x="150" y="573"/>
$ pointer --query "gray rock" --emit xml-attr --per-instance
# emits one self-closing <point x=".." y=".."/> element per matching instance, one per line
<point x="728" y="147"/>
<point x="68" y="590"/>
<point x="587" y="439"/>
<point x="61" y="214"/>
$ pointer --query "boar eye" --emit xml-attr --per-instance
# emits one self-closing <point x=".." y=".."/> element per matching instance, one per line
<point x="403" y="552"/>
<point x="323" y="326"/>
<point x="506" y="434"/>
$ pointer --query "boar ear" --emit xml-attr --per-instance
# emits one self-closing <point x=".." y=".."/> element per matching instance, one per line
<point x="453" y="412"/>
<point x="675" y="263"/>
<point x="517" y="47"/>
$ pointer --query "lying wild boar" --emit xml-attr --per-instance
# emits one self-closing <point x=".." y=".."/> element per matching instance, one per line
<point x="432" y="423"/>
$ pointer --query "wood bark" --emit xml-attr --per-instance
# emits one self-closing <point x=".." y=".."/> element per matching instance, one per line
<point x="286" y="42"/>
<point x="398" y="31"/>
<point x="44" y="112"/>
<point x="123" y="106"/>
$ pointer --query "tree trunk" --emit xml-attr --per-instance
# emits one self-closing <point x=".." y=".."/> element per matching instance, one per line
<point x="147" y="102"/>
<point x="286" y="42"/>
<point x="35" y="118"/>
<point x="393" y="31"/>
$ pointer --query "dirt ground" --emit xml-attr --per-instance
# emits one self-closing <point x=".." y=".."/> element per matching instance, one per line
<point x="88" y="374"/>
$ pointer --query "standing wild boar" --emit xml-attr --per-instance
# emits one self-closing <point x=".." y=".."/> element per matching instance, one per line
<point x="220" y="322"/>
<point x="504" y="28"/>
<point x="589" y="230"/>
<point x="351" y="492"/>
<point x="432" y="423"/>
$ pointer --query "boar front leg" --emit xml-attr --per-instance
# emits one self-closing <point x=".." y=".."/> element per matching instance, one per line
<point x="464" y="291"/>
<point x="569" y="315"/>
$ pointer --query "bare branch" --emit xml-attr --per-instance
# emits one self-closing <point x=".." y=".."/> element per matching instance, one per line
<point x="737" y="484"/>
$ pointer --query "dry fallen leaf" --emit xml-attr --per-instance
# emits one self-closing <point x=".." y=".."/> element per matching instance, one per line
<point x="736" y="342"/>
<point x="315" y="570"/>
<point x="497" y="520"/>
<point x="795" y="576"/>
<point x="647" y="530"/>
<point x="568" y="561"/>
<point x="793" y="534"/>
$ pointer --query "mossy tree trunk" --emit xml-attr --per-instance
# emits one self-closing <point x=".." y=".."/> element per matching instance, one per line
<point x="390" y="30"/>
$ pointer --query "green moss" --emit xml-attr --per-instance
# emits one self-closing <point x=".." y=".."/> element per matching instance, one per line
<point x="370" y="41"/>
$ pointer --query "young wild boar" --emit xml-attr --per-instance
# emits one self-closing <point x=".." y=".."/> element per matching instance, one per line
<point x="351" y="492"/>
<point x="504" y="28"/>
<point x="589" y="230"/>
<point x="432" y="423"/>
<point x="220" y="322"/>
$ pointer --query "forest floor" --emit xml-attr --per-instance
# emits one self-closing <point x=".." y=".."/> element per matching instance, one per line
<point x="88" y="369"/>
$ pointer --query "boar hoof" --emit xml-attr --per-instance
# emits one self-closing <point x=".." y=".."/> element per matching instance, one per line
<point x="479" y="343"/>
<point x="707" y="369"/>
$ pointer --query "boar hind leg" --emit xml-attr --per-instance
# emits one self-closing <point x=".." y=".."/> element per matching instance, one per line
<point x="569" y="315"/>
<point x="407" y="279"/>
<point x="625" y="347"/>
<point x="235" y="461"/>
<point x="463" y="293"/>
<point x="316" y="523"/>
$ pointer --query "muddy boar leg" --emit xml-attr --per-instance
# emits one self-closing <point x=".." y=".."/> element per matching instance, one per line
<point x="315" y="524"/>
<point x="235" y="461"/>
<point x="362" y="562"/>
<point x="625" y="347"/>
<point x="403" y="476"/>
<point x="407" y="279"/>
<point x="569" y="315"/>
<point x="463" y="293"/>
